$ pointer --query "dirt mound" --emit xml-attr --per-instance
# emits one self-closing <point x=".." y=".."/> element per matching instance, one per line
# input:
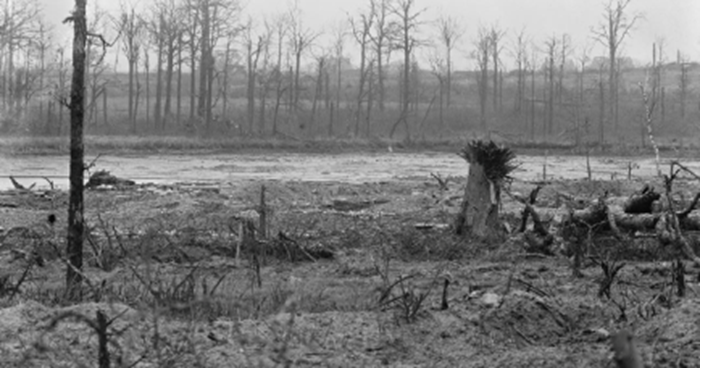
<point x="527" y="317"/>
<point x="671" y="339"/>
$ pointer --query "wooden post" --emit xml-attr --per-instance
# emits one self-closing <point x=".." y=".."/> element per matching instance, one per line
<point x="102" y="336"/>
<point x="247" y="237"/>
<point x="545" y="166"/>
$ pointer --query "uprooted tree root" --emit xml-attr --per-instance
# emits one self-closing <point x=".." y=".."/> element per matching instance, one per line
<point x="646" y="214"/>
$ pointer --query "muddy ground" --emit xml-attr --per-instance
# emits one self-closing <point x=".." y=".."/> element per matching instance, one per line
<point x="160" y="262"/>
<point x="349" y="167"/>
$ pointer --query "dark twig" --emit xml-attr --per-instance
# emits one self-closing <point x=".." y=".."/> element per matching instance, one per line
<point x="682" y="167"/>
<point x="6" y="286"/>
<point x="442" y="183"/>
<point x="93" y="162"/>
<point x="51" y="183"/>
<point x="104" y="43"/>
<point x="20" y="186"/>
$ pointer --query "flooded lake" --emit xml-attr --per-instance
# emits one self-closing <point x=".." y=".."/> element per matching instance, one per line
<point x="350" y="167"/>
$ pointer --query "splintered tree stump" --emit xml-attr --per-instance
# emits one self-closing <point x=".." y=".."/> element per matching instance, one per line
<point x="104" y="177"/>
<point x="480" y="206"/>
<point x="641" y="202"/>
<point x="479" y="212"/>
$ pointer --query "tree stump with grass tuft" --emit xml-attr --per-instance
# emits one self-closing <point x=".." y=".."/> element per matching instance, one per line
<point x="490" y="165"/>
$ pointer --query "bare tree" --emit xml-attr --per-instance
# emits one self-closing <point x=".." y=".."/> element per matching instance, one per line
<point x="565" y="51"/>
<point x="147" y="69"/>
<point x="265" y="77"/>
<point x="230" y="62"/>
<point x="32" y="76"/>
<point x="533" y="63"/>
<point x="301" y="38"/>
<point x="95" y="66"/>
<point x="180" y="61"/>
<point x="439" y="70"/>
<point x="495" y="36"/>
<point x="61" y="88"/>
<point x="321" y="72"/>
<point x="281" y="30"/>
<point x="255" y="44"/>
<point x="131" y="28"/>
<point x="43" y="44"/>
<point x="380" y="37"/>
<point x="653" y="97"/>
<point x="602" y="105"/>
<point x="29" y="77"/>
<point x="74" y="250"/>
<point x="650" y="91"/>
<point x="582" y="59"/>
<point x="611" y="32"/>
<point x="520" y="53"/>
<point x="658" y="74"/>
<point x="17" y="25"/>
<point x="156" y="26"/>
<point x="551" y="45"/>
<point x="193" y="41"/>
<point x="206" y="61"/>
<point x="218" y="19"/>
<point x="370" y="95"/>
<point x="450" y="32"/>
<point x="407" y="26"/>
<point x="338" y="48"/>
<point x="481" y="53"/>
<point x="361" y="29"/>
<point x="171" y="32"/>
<point x="683" y="63"/>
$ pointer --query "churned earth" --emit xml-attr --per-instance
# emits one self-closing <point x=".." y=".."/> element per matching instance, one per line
<point x="160" y="259"/>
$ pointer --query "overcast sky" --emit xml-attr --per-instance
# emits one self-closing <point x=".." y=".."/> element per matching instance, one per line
<point x="676" y="21"/>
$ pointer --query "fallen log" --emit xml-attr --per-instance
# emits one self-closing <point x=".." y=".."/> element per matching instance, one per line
<point x="605" y="215"/>
<point x="597" y="214"/>
<point x="347" y="205"/>
<point x="644" y="212"/>
<point x="690" y="222"/>
<point x="636" y="222"/>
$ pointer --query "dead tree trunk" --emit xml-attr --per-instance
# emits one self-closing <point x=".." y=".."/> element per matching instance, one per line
<point x="489" y="166"/>
<point x="74" y="250"/>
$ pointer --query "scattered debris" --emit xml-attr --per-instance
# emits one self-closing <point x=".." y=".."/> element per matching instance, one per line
<point x="431" y="226"/>
<point x="345" y="205"/>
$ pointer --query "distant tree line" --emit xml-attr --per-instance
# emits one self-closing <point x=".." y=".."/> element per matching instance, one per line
<point x="205" y="67"/>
